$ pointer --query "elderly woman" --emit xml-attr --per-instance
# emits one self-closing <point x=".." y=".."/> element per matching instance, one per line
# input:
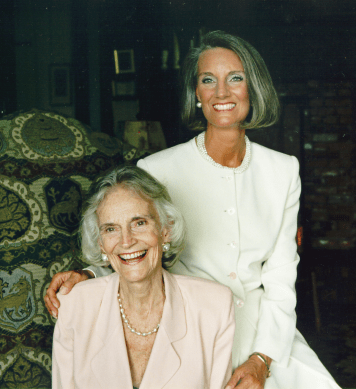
<point x="141" y="326"/>
<point x="240" y="201"/>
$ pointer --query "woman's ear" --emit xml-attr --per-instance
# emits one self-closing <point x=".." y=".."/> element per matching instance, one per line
<point x="100" y="243"/>
<point x="166" y="234"/>
<point x="196" y="93"/>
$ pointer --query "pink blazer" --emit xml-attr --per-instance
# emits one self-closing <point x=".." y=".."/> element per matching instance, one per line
<point x="192" y="349"/>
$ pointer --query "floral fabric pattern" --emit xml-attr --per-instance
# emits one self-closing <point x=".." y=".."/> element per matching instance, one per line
<point x="47" y="165"/>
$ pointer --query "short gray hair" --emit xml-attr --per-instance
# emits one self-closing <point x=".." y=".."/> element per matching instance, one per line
<point x="263" y="97"/>
<point x="142" y="183"/>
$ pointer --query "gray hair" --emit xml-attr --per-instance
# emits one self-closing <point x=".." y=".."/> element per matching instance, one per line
<point x="263" y="97"/>
<point x="142" y="183"/>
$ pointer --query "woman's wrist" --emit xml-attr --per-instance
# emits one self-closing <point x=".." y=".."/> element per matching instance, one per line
<point x="264" y="361"/>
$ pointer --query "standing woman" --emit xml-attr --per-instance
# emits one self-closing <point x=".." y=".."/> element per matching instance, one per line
<point x="240" y="202"/>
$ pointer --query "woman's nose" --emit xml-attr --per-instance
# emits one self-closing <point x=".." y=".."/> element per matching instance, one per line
<point x="127" y="239"/>
<point x="222" y="89"/>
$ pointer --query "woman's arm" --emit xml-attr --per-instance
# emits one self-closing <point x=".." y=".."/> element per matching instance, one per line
<point x="277" y="318"/>
<point x="62" y="358"/>
<point x="222" y="363"/>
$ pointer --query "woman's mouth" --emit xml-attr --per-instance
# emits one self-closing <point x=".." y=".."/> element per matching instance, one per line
<point x="133" y="258"/>
<point x="224" y="107"/>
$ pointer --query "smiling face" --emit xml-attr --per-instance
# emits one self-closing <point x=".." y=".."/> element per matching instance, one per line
<point x="222" y="88"/>
<point x="131" y="235"/>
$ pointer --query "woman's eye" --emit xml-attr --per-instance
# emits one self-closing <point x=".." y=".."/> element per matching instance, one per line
<point x="140" y="223"/>
<point x="207" y="80"/>
<point x="236" y="78"/>
<point x="107" y="230"/>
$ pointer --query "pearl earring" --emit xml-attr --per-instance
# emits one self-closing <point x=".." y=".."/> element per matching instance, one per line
<point x="199" y="104"/>
<point x="104" y="257"/>
<point x="166" y="246"/>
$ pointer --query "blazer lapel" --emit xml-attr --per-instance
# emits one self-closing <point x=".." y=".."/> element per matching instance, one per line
<point x="164" y="361"/>
<point x="112" y="355"/>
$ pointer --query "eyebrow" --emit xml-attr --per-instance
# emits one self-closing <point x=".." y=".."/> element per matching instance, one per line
<point x="211" y="74"/>
<point x="103" y="226"/>
<point x="149" y="216"/>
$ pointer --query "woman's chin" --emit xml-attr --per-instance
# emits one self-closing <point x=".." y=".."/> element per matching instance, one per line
<point x="226" y="125"/>
<point x="140" y="270"/>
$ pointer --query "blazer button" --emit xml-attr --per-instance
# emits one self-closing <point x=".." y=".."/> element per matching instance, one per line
<point x="233" y="244"/>
<point x="231" y="211"/>
<point x="233" y="275"/>
<point x="239" y="303"/>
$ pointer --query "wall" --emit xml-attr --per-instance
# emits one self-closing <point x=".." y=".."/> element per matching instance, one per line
<point x="328" y="165"/>
<point x="42" y="37"/>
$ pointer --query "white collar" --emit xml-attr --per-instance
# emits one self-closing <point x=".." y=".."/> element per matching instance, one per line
<point x="240" y="169"/>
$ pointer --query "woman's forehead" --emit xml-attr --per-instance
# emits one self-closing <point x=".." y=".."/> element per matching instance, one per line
<point x="121" y="194"/>
<point x="219" y="52"/>
<point x="123" y="199"/>
<point x="219" y="59"/>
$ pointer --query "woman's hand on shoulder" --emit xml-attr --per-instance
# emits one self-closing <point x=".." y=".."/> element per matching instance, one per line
<point x="63" y="282"/>
<point x="252" y="374"/>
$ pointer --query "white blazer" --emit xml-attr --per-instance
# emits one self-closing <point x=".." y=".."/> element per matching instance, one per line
<point x="192" y="348"/>
<point x="241" y="233"/>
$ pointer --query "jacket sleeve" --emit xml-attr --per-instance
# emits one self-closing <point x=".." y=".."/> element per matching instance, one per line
<point x="99" y="271"/>
<point x="222" y="362"/>
<point x="62" y="356"/>
<point x="277" y="318"/>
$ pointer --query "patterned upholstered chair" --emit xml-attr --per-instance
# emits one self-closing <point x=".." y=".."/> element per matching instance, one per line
<point x="47" y="164"/>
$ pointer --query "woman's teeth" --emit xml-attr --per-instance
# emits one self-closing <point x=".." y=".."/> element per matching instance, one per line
<point x="224" y="107"/>
<point x="133" y="256"/>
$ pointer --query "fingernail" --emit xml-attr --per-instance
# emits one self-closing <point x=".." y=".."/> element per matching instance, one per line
<point x="56" y="305"/>
<point x="54" y="315"/>
<point x="63" y="290"/>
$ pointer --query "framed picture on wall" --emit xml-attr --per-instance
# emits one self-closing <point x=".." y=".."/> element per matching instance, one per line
<point x="60" y="84"/>
<point x="124" y="88"/>
<point x="124" y="61"/>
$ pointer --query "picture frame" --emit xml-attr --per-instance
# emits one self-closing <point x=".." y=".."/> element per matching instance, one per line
<point x="60" y="84"/>
<point x="124" y="88"/>
<point x="124" y="61"/>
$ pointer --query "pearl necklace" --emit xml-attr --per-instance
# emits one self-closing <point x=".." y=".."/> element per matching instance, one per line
<point x="125" y="320"/>
<point x="240" y="169"/>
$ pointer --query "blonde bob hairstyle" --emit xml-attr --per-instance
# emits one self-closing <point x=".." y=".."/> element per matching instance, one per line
<point x="264" y="110"/>
<point x="143" y="184"/>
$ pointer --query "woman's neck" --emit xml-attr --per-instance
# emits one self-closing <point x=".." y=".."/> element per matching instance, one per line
<point x="145" y="296"/>
<point x="226" y="147"/>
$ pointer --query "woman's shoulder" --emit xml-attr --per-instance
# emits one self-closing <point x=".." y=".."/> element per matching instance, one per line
<point x="86" y="292"/>
<point x="270" y="160"/>
<point x="260" y="150"/>
<point x="171" y="153"/>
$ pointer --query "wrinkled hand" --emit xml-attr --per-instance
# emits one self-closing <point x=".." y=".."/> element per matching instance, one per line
<point x="63" y="281"/>
<point x="252" y="374"/>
